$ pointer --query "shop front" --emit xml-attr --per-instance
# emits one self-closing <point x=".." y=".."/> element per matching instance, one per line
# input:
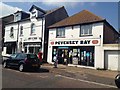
<point x="10" y="47"/>
<point x="32" y="47"/>
<point x="78" y="55"/>
<point x="32" y="44"/>
<point x="75" y="52"/>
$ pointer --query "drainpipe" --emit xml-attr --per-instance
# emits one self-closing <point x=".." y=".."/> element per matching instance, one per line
<point x="18" y="38"/>
<point x="42" y="39"/>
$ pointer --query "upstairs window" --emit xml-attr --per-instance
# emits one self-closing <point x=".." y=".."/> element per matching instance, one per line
<point x="17" y="16"/>
<point x="86" y="30"/>
<point x="33" y="14"/>
<point x="32" y="28"/>
<point x="11" y="32"/>
<point x="21" y="30"/>
<point x="60" y="32"/>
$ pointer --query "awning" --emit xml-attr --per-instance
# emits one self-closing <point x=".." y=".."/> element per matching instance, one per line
<point x="9" y="44"/>
<point x="32" y="43"/>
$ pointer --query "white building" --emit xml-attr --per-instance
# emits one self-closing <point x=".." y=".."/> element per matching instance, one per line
<point x="84" y="40"/>
<point x="28" y="32"/>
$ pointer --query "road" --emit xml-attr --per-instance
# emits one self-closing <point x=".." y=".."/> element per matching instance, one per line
<point x="12" y="78"/>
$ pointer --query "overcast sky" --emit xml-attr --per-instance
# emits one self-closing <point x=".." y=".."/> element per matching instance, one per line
<point x="107" y="10"/>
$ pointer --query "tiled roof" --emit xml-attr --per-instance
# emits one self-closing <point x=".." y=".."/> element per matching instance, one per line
<point x="34" y="6"/>
<point x="52" y="10"/>
<point x="79" y="18"/>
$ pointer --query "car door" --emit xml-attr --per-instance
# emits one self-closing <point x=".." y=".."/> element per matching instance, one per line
<point x="11" y="60"/>
<point x="20" y="58"/>
<point x="16" y="60"/>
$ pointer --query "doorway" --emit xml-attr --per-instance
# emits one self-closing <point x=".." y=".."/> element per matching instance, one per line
<point x="62" y="54"/>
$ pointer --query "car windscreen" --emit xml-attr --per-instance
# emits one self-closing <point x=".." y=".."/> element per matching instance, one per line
<point x="13" y="56"/>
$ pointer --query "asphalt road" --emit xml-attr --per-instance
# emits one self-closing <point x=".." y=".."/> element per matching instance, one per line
<point x="12" y="78"/>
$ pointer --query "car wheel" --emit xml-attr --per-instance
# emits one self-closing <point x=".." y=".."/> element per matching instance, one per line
<point x="21" y="67"/>
<point x="5" y="65"/>
<point x="117" y="80"/>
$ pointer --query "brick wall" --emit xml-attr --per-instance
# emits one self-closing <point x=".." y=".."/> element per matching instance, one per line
<point x="50" y="19"/>
<point x="110" y="35"/>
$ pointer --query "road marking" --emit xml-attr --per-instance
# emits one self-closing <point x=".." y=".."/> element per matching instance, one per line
<point x="43" y="76"/>
<point x="87" y="81"/>
<point x="27" y="73"/>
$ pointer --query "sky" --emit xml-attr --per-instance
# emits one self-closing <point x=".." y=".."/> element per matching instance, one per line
<point x="107" y="10"/>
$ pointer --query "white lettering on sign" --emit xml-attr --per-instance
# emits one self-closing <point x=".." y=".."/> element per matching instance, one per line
<point x="75" y="42"/>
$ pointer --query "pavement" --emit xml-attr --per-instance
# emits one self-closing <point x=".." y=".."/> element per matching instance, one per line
<point x="98" y="76"/>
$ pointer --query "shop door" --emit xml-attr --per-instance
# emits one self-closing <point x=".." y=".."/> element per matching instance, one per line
<point x="87" y="56"/>
<point x="63" y="56"/>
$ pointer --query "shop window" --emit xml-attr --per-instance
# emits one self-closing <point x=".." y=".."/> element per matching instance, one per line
<point x="32" y="28"/>
<point x="9" y="50"/>
<point x="21" y="30"/>
<point x="25" y="49"/>
<point x="11" y="32"/>
<point x="86" y="30"/>
<point x="60" y="32"/>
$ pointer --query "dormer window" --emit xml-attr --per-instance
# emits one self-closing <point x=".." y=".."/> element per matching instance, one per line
<point x="17" y="16"/>
<point x="36" y="12"/>
<point x="33" y="14"/>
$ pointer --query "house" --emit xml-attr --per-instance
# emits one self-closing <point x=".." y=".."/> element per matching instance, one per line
<point x="84" y="40"/>
<point x="0" y="39"/>
<point x="28" y="32"/>
<point x="3" y="21"/>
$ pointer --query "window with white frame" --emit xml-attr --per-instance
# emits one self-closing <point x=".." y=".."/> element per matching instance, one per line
<point x="86" y="30"/>
<point x="21" y="30"/>
<point x="11" y="32"/>
<point x="33" y="14"/>
<point x="17" y="16"/>
<point x="32" y="28"/>
<point x="60" y="32"/>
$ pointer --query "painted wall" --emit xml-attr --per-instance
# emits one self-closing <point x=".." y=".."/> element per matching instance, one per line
<point x="112" y="60"/>
<point x="26" y="32"/>
<point x="7" y="32"/>
<point x="39" y="30"/>
<point x="112" y="56"/>
<point x="73" y="33"/>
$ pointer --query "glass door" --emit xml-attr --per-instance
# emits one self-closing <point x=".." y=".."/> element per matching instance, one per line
<point x="87" y="56"/>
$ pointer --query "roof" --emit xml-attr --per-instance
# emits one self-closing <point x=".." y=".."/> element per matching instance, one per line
<point x="33" y="6"/>
<point x="79" y="18"/>
<point x="52" y="10"/>
<point x="47" y="12"/>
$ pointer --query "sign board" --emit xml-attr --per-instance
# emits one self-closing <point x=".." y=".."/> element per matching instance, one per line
<point x="79" y="42"/>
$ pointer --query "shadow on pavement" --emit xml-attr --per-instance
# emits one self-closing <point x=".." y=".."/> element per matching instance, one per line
<point x="41" y="70"/>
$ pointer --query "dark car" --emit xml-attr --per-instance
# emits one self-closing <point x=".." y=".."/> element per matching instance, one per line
<point x="117" y="80"/>
<point x="22" y="61"/>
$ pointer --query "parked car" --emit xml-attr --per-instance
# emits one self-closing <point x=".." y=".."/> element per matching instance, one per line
<point x="117" y="80"/>
<point x="22" y="61"/>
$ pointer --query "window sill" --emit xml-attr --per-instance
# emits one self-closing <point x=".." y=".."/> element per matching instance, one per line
<point x="60" y="37"/>
<point x="21" y="35"/>
<point x="85" y="35"/>
<point x="32" y="34"/>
